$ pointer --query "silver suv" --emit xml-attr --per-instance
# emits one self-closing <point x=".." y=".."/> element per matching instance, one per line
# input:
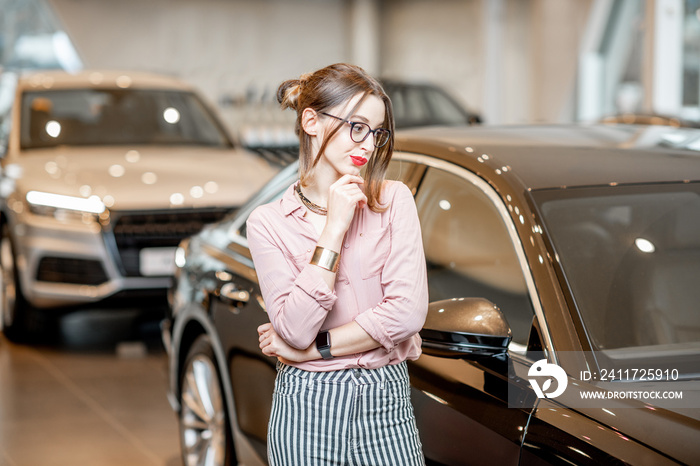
<point x="103" y="173"/>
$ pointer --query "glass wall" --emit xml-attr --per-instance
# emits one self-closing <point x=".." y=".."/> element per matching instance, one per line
<point x="635" y="56"/>
<point x="691" y="60"/>
<point x="32" y="38"/>
<point x="640" y="62"/>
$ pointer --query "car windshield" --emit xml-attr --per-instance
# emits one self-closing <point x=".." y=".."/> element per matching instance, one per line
<point x="116" y="117"/>
<point x="631" y="258"/>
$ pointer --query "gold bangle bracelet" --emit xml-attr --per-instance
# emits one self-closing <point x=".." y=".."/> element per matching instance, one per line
<point x="326" y="259"/>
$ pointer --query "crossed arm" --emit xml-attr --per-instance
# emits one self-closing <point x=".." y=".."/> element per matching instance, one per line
<point x="347" y="339"/>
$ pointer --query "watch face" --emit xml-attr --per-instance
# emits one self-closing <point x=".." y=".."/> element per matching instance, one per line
<point x="323" y="340"/>
<point x="323" y="345"/>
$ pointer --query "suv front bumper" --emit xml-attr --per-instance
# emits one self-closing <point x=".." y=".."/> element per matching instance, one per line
<point x="64" y="263"/>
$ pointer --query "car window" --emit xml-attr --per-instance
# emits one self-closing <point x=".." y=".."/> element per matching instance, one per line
<point x="631" y="256"/>
<point x="410" y="108"/>
<point x="444" y="110"/>
<point x="116" y="116"/>
<point x="468" y="249"/>
<point x="423" y="106"/>
<point x="400" y="170"/>
<point x="272" y="196"/>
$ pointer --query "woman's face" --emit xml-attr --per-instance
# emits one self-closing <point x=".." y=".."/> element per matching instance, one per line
<point x="342" y="154"/>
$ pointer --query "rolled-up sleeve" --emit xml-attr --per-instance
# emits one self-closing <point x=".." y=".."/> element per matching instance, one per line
<point x="297" y="302"/>
<point x="403" y="309"/>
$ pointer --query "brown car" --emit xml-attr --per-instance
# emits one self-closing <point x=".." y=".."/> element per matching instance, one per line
<point x="564" y="276"/>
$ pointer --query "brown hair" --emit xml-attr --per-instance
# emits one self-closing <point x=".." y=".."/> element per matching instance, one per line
<point x="327" y="88"/>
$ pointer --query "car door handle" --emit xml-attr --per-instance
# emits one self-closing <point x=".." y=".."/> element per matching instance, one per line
<point x="229" y="292"/>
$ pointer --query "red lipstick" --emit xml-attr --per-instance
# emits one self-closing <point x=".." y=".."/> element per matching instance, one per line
<point x="359" y="161"/>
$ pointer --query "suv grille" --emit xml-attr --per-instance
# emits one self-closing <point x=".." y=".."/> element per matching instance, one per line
<point x="69" y="270"/>
<point x="135" y="231"/>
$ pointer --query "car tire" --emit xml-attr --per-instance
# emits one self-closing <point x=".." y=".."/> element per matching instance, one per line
<point x="13" y="307"/>
<point x="205" y="434"/>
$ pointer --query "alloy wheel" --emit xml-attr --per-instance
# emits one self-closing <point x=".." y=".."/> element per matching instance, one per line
<point x="8" y="287"/>
<point x="202" y="416"/>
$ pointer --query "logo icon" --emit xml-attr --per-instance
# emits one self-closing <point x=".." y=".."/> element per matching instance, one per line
<point x="544" y="369"/>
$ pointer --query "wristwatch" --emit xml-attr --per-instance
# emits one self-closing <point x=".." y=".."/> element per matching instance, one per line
<point x="323" y="344"/>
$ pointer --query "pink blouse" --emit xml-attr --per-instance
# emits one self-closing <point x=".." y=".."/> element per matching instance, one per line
<point x="381" y="282"/>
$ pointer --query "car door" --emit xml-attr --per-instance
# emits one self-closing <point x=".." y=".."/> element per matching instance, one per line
<point x="462" y="406"/>
<point x="237" y="309"/>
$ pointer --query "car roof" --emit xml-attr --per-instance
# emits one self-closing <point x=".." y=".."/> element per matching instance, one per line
<point x="100" y="79"/>
<point x="566" y="155"/>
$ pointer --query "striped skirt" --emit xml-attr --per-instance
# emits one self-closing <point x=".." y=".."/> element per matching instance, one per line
<point x="346" y="417"/>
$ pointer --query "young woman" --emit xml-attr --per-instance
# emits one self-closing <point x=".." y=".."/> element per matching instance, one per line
<point x="342" y="271"/>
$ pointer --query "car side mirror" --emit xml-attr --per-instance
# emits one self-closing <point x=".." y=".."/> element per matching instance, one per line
<point x="464" y="328"/>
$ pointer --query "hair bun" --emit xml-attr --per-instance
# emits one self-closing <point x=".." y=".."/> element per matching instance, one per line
<point x="288" y="93"/>
<point x="304" y="78"/>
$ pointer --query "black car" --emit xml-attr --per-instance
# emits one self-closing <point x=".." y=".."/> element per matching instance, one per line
<point x="419" y="104"/>
<point x="416" y="104"/>
<point x="563" y="263"/>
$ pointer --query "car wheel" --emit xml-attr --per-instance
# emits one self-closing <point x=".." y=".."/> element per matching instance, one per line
<point x="13" y="307"/>
<point x="205" y="437"/>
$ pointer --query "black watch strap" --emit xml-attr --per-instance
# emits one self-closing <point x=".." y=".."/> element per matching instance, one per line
<point x="323" y="344"/>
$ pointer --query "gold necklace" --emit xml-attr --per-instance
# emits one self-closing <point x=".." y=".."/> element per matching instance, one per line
<point x="315" y="208"/>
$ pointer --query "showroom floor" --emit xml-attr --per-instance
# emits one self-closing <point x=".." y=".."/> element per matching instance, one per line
<point x="91" y="391"/>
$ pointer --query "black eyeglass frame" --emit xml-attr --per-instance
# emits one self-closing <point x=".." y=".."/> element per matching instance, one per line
<point x="371" y="131"/>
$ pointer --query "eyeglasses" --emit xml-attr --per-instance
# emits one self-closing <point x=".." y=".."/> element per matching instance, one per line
<point x="359" y="131"/>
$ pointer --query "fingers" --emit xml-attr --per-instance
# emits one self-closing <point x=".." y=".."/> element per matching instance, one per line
<point x="266" y="344"/>
<point x="272" y="345"/>
<point x="266" y="339"/>
<point x="265" y="334"/>
<point x="348" y="179"/>
<point x="358" y="197"/>
<point x="343" y="200"/>
<point x="351" y="191"/>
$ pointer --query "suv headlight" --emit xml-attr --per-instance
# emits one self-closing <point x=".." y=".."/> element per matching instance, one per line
<point x="181" y="253"/>
<point x="66" y="207"/>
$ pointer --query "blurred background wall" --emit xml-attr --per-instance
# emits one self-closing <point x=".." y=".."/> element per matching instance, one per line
<point x="513" y="61"/>
<point x="497" y="56"/>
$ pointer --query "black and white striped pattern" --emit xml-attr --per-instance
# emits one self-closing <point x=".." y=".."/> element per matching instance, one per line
<point x="347" y="417"/>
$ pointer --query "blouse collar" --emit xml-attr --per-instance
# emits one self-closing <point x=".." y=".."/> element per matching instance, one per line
<point x="290" y="202"/>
